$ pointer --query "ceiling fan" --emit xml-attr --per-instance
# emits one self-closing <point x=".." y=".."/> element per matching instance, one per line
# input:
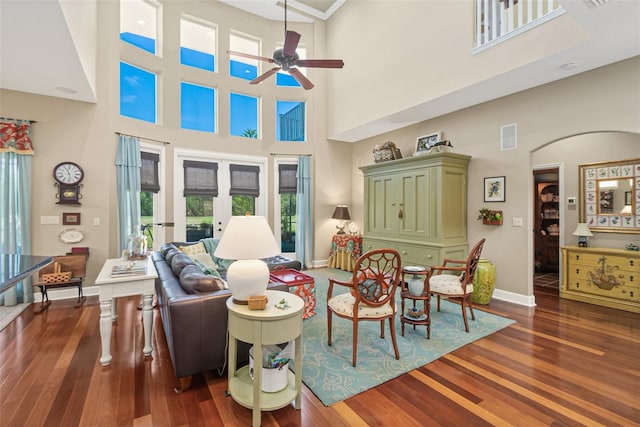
<point x="286" y="59"/>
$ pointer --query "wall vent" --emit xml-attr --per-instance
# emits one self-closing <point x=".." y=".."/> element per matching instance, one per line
<point x="508" y="140"/>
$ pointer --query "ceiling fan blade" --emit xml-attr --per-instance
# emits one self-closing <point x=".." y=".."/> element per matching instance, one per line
<point x="320" y="63"/>
<point x="247" y="55"/>
<point x="264" y="76"/>
<point x="291" y="43"/>
<point x="297" y="74"/>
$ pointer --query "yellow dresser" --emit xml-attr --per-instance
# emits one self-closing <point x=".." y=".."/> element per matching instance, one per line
<point x="607" y="277"/>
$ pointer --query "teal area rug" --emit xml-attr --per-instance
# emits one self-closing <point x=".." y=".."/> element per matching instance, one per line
<point x="327" y="371"/>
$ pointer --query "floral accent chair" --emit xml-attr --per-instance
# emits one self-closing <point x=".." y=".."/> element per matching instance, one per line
<point x="371" y="295"/>
<point x="459" y="283"/>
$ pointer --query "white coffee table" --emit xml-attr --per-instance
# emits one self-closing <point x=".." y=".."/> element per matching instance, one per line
<point x="111" y="288"/>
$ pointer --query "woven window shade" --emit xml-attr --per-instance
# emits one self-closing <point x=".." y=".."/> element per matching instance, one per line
<point x="244" y="180"/>
<point x="200" y="178"/>
<point x="149" y="172"/>
<point x="287" y="182"/>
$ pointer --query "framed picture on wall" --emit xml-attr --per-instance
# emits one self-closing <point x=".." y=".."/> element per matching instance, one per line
<point x="69" y="218"/>
<point x="494" y="189"/>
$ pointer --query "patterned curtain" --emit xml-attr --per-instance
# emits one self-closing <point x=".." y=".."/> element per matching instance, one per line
<point x="16" y="151"/>
<point x="304" y="213"/>
<point x="128" y="164"/>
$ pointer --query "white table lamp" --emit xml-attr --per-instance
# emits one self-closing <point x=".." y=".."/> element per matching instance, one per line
<point x="246" y="239"/>
<point x="582" y="231"/>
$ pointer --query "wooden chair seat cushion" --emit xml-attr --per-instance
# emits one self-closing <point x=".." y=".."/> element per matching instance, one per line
<point x="343" y="306"/>
<point x="448" y="284"/>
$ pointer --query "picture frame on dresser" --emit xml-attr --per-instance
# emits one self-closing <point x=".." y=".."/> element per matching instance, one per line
<point x="610" y="196"/>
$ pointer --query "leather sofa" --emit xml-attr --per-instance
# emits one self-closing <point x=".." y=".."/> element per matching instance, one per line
<point x="195" y="324"/>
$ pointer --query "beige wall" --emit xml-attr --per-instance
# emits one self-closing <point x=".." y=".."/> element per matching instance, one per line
<point x="545" y="114"/>
<point x="604" y="99"/>
<point x="399" y="54"/>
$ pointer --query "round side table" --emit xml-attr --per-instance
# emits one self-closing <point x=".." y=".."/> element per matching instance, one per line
<point x="262" y="327"/>
<point x="411" y="291"/>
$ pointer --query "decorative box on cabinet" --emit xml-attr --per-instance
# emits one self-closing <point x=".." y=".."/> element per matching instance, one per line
<point x="607" y="277"/>
<point x="418" y="206"/>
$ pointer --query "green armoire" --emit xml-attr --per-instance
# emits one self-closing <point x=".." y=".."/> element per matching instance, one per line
<point x="417" y="206"/>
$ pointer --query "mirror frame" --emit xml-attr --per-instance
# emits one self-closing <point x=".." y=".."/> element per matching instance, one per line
<point x="590" y="175"/>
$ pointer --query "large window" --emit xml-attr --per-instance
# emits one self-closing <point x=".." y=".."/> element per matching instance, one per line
<point x="138" y="89"/>
<point x="245" y="187"/>
<point x="200" y="188"/>
<point x="243" y="68"/>
<point x="197" y="107"/>
<point x="243" y="115"/>
<point x="139" y="24"/>
<point x="197" y="44"/>
<point x="290" y="121"/>
<point x="287" y="192"/>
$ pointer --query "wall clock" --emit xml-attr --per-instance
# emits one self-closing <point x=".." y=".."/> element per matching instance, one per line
<point x="68" y="176"/>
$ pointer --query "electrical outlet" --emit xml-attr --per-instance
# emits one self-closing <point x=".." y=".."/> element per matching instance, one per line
<point x="96" y="221"/>
<point x="571" y="200"/>
<point x="517" y="222"/>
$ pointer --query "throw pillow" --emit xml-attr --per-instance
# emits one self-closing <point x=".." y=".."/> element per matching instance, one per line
<point x="197" y="248"/>
<point x="179" y="262"/>
<point x="211" y="243"/>
<point x="193" y="281"/>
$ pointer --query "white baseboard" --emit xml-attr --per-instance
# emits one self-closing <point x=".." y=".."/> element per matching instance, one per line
<point x="526" y="300"/>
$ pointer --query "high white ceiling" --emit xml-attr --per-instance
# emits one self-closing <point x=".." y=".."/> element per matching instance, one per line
<point x="47" y="47"/>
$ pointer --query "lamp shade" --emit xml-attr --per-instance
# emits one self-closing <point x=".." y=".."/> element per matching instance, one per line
<point x="247" y="237"/>
<point x="582" y="230"/>
<point x="341" y="212"/>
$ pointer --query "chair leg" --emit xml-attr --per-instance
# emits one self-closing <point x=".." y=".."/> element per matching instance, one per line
<point x="392" y="329"/>
<point x="464" y="313"/>
<point x="355" y="342"/>
<point x="470" y="303"/>
<point x="382" y="328"/>
<point x="438" y="302"/>
<point x="329" y="318"/>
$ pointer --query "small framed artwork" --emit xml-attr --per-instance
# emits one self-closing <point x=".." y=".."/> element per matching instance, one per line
<point x="627" y="197"/>
<point x="494" y="189"/>
<point x="426" y="143"/>
<point x="71" y="218"/>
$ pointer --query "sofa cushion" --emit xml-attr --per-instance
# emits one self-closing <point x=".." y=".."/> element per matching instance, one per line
<point x="207" y="266"/>
<point x="166" y="247"/>
<point x="197" y="248"/>
<point x="170" y="254"/>
<point x="194" y="281"/>
<point x="179" y="261"/>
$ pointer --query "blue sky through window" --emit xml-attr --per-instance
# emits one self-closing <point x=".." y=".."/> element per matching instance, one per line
<point x="243" y="114"/>
<point x="194" y="58"/>
<point x="197" y="107"/>
<point x="137" y="93"/>
<point x="243" y="70"/>
<point x="283" y="79"/>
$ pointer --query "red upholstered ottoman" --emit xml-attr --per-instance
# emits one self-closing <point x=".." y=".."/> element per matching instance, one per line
<point x="305" y="287"/>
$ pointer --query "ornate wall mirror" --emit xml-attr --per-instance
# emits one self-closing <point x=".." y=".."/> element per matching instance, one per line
<point x="611" y="196"/>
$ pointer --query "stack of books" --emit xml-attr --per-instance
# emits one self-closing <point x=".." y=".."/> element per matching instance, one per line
<point x="129" y="268"/>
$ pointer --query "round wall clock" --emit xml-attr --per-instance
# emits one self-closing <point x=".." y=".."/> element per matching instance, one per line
<point x="68" y="176"/>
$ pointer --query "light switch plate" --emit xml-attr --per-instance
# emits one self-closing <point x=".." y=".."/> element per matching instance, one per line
<point x="49" y="220"/>
<point x="571" y="200"/>
<point x="517" y="222"/>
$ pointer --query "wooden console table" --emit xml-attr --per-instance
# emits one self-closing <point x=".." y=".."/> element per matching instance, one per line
<point x="263" y="327"/>
<point x="603" y="276"/>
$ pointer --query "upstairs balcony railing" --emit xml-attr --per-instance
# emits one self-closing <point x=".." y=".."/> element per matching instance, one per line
<point x="499" y="20"/>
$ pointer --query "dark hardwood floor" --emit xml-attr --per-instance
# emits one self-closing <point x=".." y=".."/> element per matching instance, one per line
<point x="563" y="363"/>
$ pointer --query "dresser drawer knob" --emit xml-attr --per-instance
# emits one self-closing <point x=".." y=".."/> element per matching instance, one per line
<point x="429" y="256"/>
<point x="577" y="284"/>
<point x="577" y="257"/>
<point x="631" y="278"/>
<point x="577" y="271"/>
<point x="404" y="252"/>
